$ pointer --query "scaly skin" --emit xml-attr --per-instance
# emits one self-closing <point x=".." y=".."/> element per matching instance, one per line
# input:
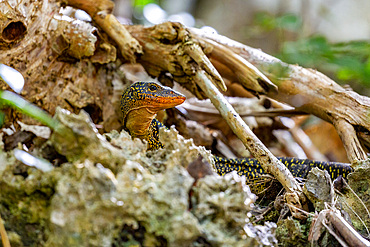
<point x="140" y="103"/>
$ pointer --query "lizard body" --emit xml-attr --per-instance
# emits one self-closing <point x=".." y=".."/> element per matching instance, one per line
<point x="140" y="103"/>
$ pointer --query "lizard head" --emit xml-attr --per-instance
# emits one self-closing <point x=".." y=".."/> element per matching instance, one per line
<point x="149" y="95"/>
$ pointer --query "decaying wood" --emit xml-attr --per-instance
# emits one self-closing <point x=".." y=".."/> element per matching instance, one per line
<point x="101" y="12"/>
<point x="42" y="43"/>
<point x="171" y="54"/>
<point x="309" y="91"/>
<point x="351" y="236"/>
<point x="244" y="71"/>
<point x="55" y="73"/>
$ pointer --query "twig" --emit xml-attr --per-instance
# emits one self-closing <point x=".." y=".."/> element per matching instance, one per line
<point x="301" y="210"/>
<point x="359" y="199"/>
<point x="196" y="53"/>
<point x="268" y="161"/>
<point x="309" y="91"/>
<point x="3" y="234"/>
<point x="260" y="216"/>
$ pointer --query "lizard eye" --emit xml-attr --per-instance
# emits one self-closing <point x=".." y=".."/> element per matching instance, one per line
<point x="152" y="88"/>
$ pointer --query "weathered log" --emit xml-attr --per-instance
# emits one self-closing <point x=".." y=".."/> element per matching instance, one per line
<point x="61" y="61"/>
<point x="171" y="52"/>
<point x="309" y="91"/>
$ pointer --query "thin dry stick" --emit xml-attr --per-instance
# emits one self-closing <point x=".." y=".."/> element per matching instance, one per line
<point x="301" y="210"/>
<point x="332" y="232"/>
<point x="3" y="234"/>
<point x="268" y="161"/>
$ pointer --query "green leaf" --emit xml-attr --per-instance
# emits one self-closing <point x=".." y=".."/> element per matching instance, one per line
<point x="289" y="22"/>
<point x="345" y="74"/>
<point x="26" y="107"/>
<point x="265" y="21"/>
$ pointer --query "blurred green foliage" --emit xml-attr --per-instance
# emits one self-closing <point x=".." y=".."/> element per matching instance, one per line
<point x="17" y="102"/>
<point x="143" y="2"/>
<point x="2" y="118"/>
<point x="267" y="22"/>
<point x="344" y="62"/>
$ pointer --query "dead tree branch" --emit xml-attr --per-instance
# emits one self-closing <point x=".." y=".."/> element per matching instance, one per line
<point x="308" y="91"/>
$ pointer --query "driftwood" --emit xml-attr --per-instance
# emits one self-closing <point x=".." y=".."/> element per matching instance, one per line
<point x="309" y="91"/>
<point x="63" y="83"/>
<point x="39" y="50"/>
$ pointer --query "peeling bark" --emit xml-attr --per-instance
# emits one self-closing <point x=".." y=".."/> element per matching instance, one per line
<point x="60" y="60"/>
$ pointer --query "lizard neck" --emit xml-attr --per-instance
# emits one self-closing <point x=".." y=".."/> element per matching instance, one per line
<point x="138" y="122"/>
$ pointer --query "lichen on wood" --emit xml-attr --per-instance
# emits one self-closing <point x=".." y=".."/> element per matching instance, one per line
<point x="102" y="174"/>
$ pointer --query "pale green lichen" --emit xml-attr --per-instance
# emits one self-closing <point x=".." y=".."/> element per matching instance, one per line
<point x="24" y="200"/>
<point x="221" y="204"/>
<point x="112" y="192"/>
<point x="77" y="138"/>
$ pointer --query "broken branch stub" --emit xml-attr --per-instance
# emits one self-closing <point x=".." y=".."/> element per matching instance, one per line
<point x="246" y="73"/>
<point x="169" y="54"/>
<point x="101" y="13"/>
<point x="172" y="53"/>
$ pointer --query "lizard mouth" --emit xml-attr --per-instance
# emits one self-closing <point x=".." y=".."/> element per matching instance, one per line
<point x="168" y="102"/>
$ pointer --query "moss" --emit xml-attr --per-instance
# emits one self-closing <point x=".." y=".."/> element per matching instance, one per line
<point x="291" y="232"/>
<point x="272" y="216"/>
<point x="25" y="201"/>
<point x="112" y="192"/>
